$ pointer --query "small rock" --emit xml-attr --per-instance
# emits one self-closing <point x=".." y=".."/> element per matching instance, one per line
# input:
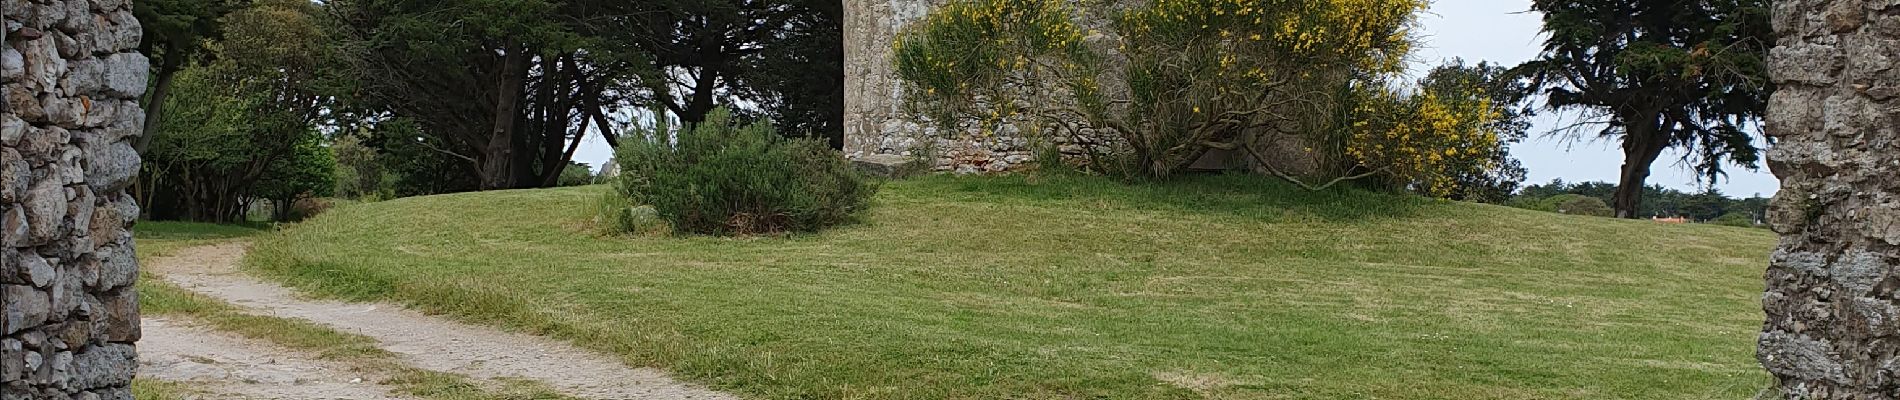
<point x="45" y="211"/>
<point x="26" y="307"/>
<point x="110" y="166"/>
<point x="125" y="74"/>
<point x="37" y="271"/>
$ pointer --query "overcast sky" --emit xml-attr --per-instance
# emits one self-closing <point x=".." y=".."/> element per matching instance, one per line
<point x="1499" y="31"/>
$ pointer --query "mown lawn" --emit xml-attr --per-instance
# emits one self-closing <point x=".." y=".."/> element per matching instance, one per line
<point x="1021" y="287"/>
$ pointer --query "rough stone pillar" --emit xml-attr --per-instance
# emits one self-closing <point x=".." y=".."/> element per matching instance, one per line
<point x="874" y="122"/>
<point x="1833" y="328"/>
<point x="70" y="76"/>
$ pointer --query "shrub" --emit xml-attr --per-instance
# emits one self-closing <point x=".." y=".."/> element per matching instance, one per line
<point x="305" y="207"/>
<point x="1576" y="204"/>
<point x="1425" y="141"/>
<point x="720" y="178"/>
<point x="1736" y="218"/>
<point x="576" y="174"/>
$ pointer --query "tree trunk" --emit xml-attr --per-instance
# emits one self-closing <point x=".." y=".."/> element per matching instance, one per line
<point x="702" y="102"/>
<point x="155" y="104"/>
<point x="552" y="176"/>
<point x="1641" y="146"/>
<point x="498" y="158"/>
<point x="1832" y="313"/>
<point x="555" y="122"/>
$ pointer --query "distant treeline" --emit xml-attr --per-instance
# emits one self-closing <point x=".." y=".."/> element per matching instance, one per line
<point x="1592" y="198"/>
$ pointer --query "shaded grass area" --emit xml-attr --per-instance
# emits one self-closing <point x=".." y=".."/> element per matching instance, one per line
<point x="157" y="297"/>
<point x="1230" y="287"/>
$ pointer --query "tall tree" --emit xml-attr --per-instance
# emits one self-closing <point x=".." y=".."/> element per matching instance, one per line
<point x="176" y="32"/>
<point x="530" y="79"/>
<point x="1659" y="74"/>
<point x="803" y="74"/>
<point x="242" y="117"/>
<point x="782" y="59"/>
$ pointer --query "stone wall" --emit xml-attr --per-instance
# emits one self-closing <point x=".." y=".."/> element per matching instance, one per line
<point x="1833" y="326"/>
<point x="876" y="122"/>
<point x="71" y="75"/>
<point x="875" y="119"/>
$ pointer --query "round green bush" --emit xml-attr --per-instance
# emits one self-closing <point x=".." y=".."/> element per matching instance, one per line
<point x="721" y="178"/>
<point x="1575" y="204"/>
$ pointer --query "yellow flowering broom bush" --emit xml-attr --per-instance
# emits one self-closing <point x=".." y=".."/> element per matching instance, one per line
<point x="1425" y="141"/>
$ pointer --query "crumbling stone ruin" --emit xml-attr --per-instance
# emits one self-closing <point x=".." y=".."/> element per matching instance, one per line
<point x="878" y="126"/>
<point x="1833" y="328"/>
<point x="875" y="121"/>
<point x="71" y="76"/>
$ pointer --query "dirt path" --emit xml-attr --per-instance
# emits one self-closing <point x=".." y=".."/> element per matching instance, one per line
<point x="228" y="367"/>
<point x="425" y="341"/>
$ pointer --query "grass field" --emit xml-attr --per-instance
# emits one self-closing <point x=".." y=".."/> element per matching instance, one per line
<point x="1022" y="287"/>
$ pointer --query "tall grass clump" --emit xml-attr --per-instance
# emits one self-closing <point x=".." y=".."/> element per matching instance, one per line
<point x="723" y="178"/>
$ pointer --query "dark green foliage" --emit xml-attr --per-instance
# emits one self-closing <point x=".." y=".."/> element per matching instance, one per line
<point x="359" y="174"/>
<point x="576" y="174"/>
<point x="1737" y="218"/>
<point x="308" y="173"/>
<point x="413" y="166"/>
<point x="1706" y="206"/>
<point x="244" y="126"/>
<point x="222" y="146"/>
<point x="176" y="33"/>
<point x="1580" y="205"/>
<point x="529" y="82"/>
<point x="1659" y="74"/>
<point x="723" y="179"/>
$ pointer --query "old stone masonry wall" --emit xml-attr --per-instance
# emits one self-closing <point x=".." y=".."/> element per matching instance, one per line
<point x="876" y="121"/>
<point x="71" y="77"/>
<point x="1833" y="328"/>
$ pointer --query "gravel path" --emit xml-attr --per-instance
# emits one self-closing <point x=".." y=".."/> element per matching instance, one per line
<point x="425" y="341"/>
<point x="227" y="366"/>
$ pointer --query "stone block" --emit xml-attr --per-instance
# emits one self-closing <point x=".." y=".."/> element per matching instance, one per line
<point x="14" y="231"/>
<point x="889" y="165"/>
<point x="32" y="268"/>
<point x="45" y="211"/>
<point x="87" y="76"/>
<point x="125" y="74"/>
<point x="15" y="176"/>
<point x="117" y="267"/>
<point x="110" y="166"/>
<point x="121" y="316"/>
<point x="25" y="307"/>
<point x="104" y="366"/>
